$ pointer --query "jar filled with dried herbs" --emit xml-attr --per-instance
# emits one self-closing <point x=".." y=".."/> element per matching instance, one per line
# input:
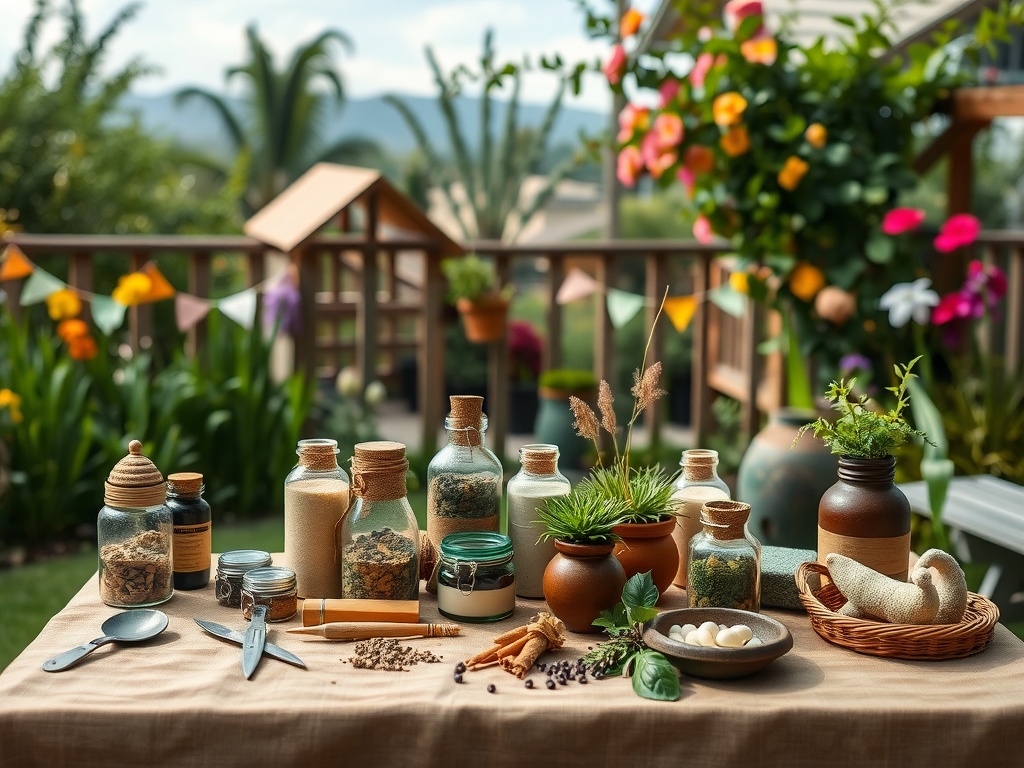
<point x="464" y="477"/>
<point x="378" y="539"/>
<point x="724" y="559"/>
<point x="134" y="531"/>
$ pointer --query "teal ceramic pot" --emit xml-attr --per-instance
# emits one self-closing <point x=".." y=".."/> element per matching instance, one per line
<point x="554" y="424"/>
<point x="783" y="482"/>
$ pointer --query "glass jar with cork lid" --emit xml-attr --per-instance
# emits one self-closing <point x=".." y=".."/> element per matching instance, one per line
<point x="134" y="531"/>
<point x="725" y="560"/>
<point x="464" y="477"/>
<point x="379" y="539"/>
<point x="192" y="530"/>
<point x="316" y="495"/>
<point x="697" y="483"/>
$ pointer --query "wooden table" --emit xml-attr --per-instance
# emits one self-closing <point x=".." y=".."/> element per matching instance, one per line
<point x="181" y="700"/>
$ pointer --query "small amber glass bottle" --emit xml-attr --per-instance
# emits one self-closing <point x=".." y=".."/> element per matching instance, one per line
<point x="192" y="530"/>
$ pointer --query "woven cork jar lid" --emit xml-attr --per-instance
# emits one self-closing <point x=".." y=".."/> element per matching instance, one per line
<point x="135" y="481"/>
<point x="186" y="483"/>
<point x="380" y="450"/>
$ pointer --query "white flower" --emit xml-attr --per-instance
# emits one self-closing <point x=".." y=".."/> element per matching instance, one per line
<point x="909" y="300"/>
<point x="348" y="382"/>
<point x="375" y="393"/>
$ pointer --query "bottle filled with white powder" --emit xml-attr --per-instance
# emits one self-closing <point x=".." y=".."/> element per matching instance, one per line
<point x="698" y="483"/>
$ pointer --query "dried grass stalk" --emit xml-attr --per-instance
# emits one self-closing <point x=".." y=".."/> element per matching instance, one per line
<point x="604" y="404"/>
<point x="586" y="424"/>
<point x="645" y="387"/>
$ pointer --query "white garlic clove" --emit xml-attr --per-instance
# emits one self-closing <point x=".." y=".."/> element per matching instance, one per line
<point x="687" y="629"/>
<point x="691" y="638"/>
<point x="675" y="629"/>
<point x="721" y="627"/>
<point x="729" y="638"/>
<point x="743" y="631"/>
<point x="706" y="637"/>
<point x="753" y="641"/>
<point x="710" y="626"/>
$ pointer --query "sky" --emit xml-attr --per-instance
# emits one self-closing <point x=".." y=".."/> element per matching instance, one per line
<point x="192" y="42"/>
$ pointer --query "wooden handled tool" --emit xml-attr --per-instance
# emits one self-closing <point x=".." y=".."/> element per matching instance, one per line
<point x="361" y="630"/>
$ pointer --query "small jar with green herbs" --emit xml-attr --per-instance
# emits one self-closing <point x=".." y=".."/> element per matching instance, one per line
<point x="724" y="559"/>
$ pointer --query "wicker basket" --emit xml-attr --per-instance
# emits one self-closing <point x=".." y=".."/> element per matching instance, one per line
<point x="898" y="641"/>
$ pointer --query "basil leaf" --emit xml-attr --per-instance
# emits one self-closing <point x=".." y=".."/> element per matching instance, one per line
<point x="654" y="677"/>
<point x="640" y="591"/>
<point x="614" y="618"/>
<point x="641" y="615"/>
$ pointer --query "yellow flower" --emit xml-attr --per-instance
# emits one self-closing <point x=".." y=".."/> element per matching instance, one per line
<point x="792" y="172"/>
<point x="816" y="135"/>
<point x="736" y="141"/>
<point x="132" y="289"/>
<point x="728" y="108"/>
<point x="740" y="282"/>
<point x="760" y="50"/>
<point x="806" y="280"/>
<point x="63" y="304"/>
<point x="12" y="403"/>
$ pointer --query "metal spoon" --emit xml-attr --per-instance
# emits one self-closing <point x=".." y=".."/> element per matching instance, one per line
<point x="124" y="627"/>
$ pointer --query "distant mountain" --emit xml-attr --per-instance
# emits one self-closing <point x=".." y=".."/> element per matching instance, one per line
<point x="195" y="124"/>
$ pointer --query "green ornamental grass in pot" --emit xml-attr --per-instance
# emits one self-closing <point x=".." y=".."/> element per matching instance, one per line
<point x="864" y="515"/>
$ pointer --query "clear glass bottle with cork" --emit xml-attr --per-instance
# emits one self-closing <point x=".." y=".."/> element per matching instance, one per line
<point x="193" y="542"/>
<point x="698" y="482"/>
<point x="464" y="477"/>
<point x="316" y="495"/>
<point x="724" y="569"/>
<point x="379" y="539"/>
<point x="537" y="481"/>
<point x="134" y="534"/>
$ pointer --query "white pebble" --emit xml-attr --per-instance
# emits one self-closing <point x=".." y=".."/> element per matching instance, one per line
<point x="705" y="635"/>
<point x="743" y="631"/>
<point x="687" y="629"/>
<point x="710" y="626"/>
<point x="691" y="638"/>
<point x="729" y="638"/>
<point x="753" y="641"/>
<point x="675" y="634"/>
<point x="721" y="627"/>
<point x="675" y="629"/>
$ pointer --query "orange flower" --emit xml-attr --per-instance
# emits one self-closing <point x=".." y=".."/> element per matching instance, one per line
<point x="132" y="289"/>
<point x="629" y="165"/>
<point x="728" y="108"/>
<point x="82" y="348"/>
<point x="792" y="172"/>
<point x="668" y="130"/>
<point x="632" y="119"/>
<point x="805" y="281"/>
<point x="699" y="159"/>
<point x="816" y="135"/>
<point x="761" y="50"/>
<point x="736" y="141"/>
<point x="69" y="330"/>
<point x="63" y="304"/>
<point x="630" y="22"/>
<point x="740" y="282"/>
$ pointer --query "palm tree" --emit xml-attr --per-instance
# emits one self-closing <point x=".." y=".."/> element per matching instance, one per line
<point x="280" y="137"/>
<point x="490" y="180"/>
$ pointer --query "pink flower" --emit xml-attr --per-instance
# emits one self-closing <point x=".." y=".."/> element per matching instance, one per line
<point x="900" y="220"/>
<point x="615" y="67"/>
<point x="632" y="118"/>
<point x="959" y="230"/>
<point x="700" y="70"/>
<point x="702" y="230"/>
<point x="656" y="157"/>
<point x="686" y="178"/>
<point x="668" y="130"/>
<point x="737" y="10"/>
<point x="984" y="282"/>
<point x="952" y="306"/>
<point x="669" y="90"/>
<point x="629" y="166"/>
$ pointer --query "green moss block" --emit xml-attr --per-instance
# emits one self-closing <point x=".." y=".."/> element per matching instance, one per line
<point x="778" y="569"/>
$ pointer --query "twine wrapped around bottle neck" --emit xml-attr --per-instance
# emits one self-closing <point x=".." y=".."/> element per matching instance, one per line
<point x="466" y="422"/>
<point x="724" y="519"/>
<point x="540" y="459"/>
<point x="319" y="454"/>
<point x="379" y="469"/>
<point x="699" y="464"/>
<point x="135" y="482"/>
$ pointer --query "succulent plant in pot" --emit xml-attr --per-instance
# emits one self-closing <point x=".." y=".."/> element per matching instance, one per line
<point x="473" y="289"/>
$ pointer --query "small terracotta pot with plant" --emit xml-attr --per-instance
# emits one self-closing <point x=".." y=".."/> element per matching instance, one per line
<point x="473" y="289"/>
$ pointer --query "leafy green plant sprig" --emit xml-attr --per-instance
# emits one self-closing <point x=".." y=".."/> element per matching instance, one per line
<point x="625" y="653"/>
<point x="583" y="516"/>
<point x="650" y="491"/>
<point x="861" y="432"/>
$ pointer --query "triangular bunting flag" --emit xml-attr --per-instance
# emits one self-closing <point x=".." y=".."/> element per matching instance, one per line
<point x="680" y="310"/>
<point x="159" y="289"/>
<point x="623" y="306"/>
<point x="107" y="313"/>
<point x="189" y="310"/>
<point x="241" y="307"/>
<point x="39" y="285"/>
<point x="730" y="301"/>
<point x="16" y="265"/>
<point x="577" y="285"/>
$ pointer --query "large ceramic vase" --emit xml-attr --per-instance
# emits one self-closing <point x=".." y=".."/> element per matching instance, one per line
<point x="581" y="581"/>
<point x="866" y="517"/>
<point x="555" y="420"/>
<point x="648" y="547"/>
<point x="782" y="481"/>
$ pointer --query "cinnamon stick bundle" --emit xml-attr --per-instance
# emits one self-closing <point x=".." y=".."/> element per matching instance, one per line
<point x="516" y="651"/>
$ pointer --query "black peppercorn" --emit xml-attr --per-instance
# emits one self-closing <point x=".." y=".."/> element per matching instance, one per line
<point x="550" y="684"/>
<point x="583" y="679"/>
<point x="458" y="677"/>
<point x="491" y="688"/>
<point x="460" y="667"/>
<point x="528" y="683"/>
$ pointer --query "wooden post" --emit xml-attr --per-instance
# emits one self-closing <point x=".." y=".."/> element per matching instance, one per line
<point x="140" y="317"/>
<point x="701" y="408"/>
<point x="497" y="376"/>
<point x="552" y="352"/>
<point x="656" y="276"/>
<point x="198" y="285"/>
<point x="305" y="346"/>
<point x="752" y="323"/>
<point x="366" y="309"/>
<point x="80" y="276"/>
<point x="1014" y="311"/>
<point x="430" y="351"/>
<point x="604" y="333"/>
<point x="949" y="271"/>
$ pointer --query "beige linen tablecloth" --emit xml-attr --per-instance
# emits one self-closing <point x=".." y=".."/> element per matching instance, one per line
<point x="181" y="700"/>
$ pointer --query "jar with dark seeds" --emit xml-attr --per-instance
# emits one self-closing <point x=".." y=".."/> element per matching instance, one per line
<point x="550" y="684"/>
<point x="491" y="688"/>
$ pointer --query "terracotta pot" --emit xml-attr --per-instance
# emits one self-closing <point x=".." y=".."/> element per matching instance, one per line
<point x="783" y="482"/>
<point x="484" y="320"/>
<point x="581" y="581"/>
<point x="866" y="517"/>
<point x="648" y="547"/>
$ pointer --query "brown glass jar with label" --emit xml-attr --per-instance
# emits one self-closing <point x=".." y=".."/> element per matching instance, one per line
<point x="192" y="530"/>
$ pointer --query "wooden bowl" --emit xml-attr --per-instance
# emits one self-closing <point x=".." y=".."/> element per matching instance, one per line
<point x="718" y="663"/>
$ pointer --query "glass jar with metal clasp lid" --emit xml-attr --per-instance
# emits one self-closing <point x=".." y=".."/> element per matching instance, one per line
<point x="273" y="587"/>
<point x="476" y="579"/>
<point x="231" y="567"/>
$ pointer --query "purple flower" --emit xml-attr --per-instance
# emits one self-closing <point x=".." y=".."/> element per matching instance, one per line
<point x="282" y="303"/>
<point x="854" y="362"/>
